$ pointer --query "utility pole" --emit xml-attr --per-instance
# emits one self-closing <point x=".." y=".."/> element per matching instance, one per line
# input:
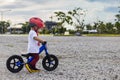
<point x="2" y="12"/>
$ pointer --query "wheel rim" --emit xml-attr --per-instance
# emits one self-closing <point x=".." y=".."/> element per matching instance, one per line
<point x="13" y="63"/>
<point x="50" y="63"/>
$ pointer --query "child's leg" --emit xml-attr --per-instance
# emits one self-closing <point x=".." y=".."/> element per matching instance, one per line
<point x="35" y="60"/>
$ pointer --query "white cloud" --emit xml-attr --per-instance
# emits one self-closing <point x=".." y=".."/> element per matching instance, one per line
<point x="6" y="1"/>
<point x="24" y="9"/>
<point x="96" y="11"/>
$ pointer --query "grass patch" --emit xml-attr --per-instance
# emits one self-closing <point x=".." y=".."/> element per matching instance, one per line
<point x="97" y="35"/>
<point x="9" y="45"/>
<point x="64" y="35"/>
<point x="103" y="35"/>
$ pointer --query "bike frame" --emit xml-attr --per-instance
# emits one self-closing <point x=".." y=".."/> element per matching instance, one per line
<point x="41" y="49"/>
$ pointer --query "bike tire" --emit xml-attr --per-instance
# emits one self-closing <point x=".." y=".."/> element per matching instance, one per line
<point x="12" y="63"/>
<point x="50" y="62"/>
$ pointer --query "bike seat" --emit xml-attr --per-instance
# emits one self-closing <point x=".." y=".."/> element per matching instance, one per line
<point x="25" y="55"/>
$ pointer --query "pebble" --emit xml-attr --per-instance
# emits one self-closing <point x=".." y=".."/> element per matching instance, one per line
<point x="80" y="58"/>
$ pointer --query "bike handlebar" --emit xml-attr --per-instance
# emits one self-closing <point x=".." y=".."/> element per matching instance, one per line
<point x="45" y="42"/>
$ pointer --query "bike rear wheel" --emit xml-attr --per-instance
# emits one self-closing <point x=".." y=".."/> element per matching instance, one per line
<point x="14" y="63"/>
<point x="50" y="62"/>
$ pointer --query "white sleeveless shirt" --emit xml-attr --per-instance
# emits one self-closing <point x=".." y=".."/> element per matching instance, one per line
<point x="32" y="44"/>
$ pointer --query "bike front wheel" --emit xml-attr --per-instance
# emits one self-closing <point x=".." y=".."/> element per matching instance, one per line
<point x="50" y="62"/>
<point x="14" y="63"/>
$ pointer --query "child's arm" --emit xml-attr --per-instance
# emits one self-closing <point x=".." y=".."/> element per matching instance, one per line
<point x="38" y="39"/>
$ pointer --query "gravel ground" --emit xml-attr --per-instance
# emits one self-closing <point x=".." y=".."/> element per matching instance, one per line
<point x="80" y="58"/>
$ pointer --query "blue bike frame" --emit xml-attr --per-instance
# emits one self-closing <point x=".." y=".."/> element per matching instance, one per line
<point x="41" y="49"/>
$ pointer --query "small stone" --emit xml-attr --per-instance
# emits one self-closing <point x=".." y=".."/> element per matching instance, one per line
<point x="60" y="73"/>
<point x="116" y="76"/>
<point x="104" y="79"/>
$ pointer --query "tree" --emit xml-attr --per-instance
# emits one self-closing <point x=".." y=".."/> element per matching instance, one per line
<point x="76" y="14"/>
<point x="89" y="27"/>
<point x="70" y="16"/>
<point x="95" y="26"/>
<point x="62" y="17"/>
<point x="3" y="26"/>
<point x="118" y="16"/>
<point x="101" y="28"/>
<point x="25" y="27"/>
<point x="62" y="30"/>
<point x="45" y="31"/>
<point x="117" y="26"/>
<point x="109" y="27"/>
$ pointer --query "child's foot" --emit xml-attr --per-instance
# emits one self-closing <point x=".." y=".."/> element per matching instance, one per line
<point x="30" y="69"/>
<point x="35" y="70"/>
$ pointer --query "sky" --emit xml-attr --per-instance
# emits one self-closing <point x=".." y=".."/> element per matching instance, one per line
<point x="17" y="11"/>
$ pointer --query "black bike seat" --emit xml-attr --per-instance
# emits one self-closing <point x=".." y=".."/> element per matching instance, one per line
<point x="25" y="55"/>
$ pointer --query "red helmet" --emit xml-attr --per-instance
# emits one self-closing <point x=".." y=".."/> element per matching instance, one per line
<point x="37" y="21"/>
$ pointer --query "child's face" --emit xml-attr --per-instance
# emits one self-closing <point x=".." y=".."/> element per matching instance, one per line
<point x="35" y="28"/>
<point x="38" y="29"/>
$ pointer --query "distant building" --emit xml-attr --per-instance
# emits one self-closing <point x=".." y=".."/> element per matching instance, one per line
<point x="90" y="31"/>
<point x="50" y="24"/>
<point x="66" y="33"/>
<point x="15" y="29"/>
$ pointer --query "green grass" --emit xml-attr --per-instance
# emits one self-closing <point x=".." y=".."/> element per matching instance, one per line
<point x="9" y="45"/>
<point x="97" y="35"/>
<point x="65" y="35"/>
<point x="103" y="35"/>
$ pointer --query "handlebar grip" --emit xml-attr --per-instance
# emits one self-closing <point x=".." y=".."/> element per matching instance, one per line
<point x="44" y="43"/>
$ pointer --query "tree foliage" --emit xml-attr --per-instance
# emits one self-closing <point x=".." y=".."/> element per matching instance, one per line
<point x="72" y="17"/>
<point x="62" y="17"/>
<point x="118" y="15"/>
<point x="25" y="27"/>
<point x="3" y="26"/>
<point x="76" y="14"/>
<point x="105" y="28"/>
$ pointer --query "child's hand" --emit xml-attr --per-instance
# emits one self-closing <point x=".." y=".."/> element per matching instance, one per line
<point x="44" y="42"/>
